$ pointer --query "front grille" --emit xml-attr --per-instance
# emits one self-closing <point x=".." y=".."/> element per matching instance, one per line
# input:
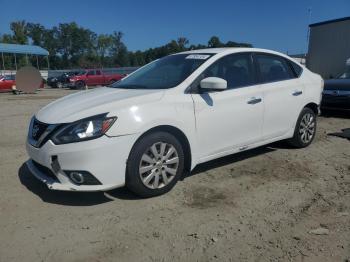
<point x="45" y="170"/>
<point x="38" y="129"/>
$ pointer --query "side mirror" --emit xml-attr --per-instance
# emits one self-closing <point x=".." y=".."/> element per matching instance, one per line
<point x="213" y="83"/>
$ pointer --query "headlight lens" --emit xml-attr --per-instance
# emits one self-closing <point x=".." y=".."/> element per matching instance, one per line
<point x="85" y="129"/>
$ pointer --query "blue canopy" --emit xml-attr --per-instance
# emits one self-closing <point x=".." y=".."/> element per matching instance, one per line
<point x="23" y="49"/>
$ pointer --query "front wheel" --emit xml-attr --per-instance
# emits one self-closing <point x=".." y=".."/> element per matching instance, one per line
<point x="305" y="129"/>
<point x="80" y="85"/>
<point x="155" y="164"/>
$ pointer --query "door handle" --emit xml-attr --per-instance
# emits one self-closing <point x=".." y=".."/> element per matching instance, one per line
<point x="297" y="93"/>
<point x="254" y="101"/>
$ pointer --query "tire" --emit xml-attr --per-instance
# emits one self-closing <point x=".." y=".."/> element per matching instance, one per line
<point x="148" y="173"/>
<point x="59" y="85"/>
<point x="79" y="85"/>
<point x="305" y="129"/>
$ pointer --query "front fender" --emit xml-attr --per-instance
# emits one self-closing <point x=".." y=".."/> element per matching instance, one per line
<point x="173" y="110"/>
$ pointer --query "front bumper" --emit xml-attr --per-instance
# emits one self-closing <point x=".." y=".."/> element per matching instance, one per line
<point x="71" y="84"/>
<point x="105" y="158"/>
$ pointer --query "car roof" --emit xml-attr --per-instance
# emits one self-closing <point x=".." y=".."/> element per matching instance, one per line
<point x="229" y="50"/>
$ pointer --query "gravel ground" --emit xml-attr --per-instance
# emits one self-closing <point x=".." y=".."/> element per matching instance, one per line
<point x="273" y="203"/>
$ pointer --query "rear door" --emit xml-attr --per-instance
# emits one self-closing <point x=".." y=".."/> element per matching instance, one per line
<point x="283" y="94"/>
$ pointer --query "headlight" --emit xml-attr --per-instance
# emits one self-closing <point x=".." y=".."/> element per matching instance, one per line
<point x="85" y="129"/>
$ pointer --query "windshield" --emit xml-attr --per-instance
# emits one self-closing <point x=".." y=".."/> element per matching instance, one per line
<point x="81" y="73"/>
<point x="164" y="73"/>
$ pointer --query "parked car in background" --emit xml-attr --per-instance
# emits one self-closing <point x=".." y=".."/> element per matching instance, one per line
<point x="93" y="77"/>
<point x="170" y="115"/>
<point x="7" y="82"/>
<point x="61" y="80"/>
<point x="336" y="93"/>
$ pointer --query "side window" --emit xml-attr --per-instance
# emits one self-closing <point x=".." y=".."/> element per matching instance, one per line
<point x="236" y="69"/>
<point x="9" y="77"/>
<point x="272" y="68"/>
<point x="296" y="68"/>
<point x="98" y="72"/>
<point x="91" y="73"/>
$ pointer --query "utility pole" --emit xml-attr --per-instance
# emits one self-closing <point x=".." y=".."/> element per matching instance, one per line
<point x="309" y="10"/>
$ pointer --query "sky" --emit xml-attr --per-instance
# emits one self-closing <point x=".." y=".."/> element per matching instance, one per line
<point x="272" y="24"/>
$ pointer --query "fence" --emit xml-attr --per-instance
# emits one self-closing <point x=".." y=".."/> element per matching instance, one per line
<point x="53" y="73"/>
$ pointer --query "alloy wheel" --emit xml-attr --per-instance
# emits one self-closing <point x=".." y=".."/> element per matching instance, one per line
<point x="307" y="128"/>
<point x="158" y="165"/>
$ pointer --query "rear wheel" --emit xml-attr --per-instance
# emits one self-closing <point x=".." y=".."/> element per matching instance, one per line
<point x="59" y="84"/>
<point x="305" y="129"/>
<point x="155" y="164"/>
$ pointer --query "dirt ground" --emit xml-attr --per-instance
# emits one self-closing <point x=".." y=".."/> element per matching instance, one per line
<point x="273" y="203"/>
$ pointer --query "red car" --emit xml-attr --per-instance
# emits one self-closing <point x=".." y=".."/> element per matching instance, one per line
<point x="8" y="81"/>
<point x="94" y="77"/>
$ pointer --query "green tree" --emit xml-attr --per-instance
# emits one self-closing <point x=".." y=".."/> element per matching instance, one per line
<point x="214" y="41"/>
<point x="183" y="42"/>
<point x="104" y="47"/>
<point x="36" y="33"/>
<point x="19" y="31"/>
<point x="73" y="46"/>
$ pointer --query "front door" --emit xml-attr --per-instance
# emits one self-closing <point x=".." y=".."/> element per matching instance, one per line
<point x="229" y="119"/>
<point x="91" y="78"/>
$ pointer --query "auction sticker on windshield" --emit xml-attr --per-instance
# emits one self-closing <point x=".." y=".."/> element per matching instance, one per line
<point x="202" y="57"/>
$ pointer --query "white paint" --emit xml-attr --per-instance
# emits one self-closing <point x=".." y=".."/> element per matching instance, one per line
<point x="215" y="123"/>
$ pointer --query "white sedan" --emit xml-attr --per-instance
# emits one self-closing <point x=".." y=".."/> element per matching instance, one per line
<point x="146" y="130"/>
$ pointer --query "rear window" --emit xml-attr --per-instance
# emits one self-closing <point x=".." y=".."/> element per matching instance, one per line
<point x="273" y="68"/>
<point x="296" y="68"/>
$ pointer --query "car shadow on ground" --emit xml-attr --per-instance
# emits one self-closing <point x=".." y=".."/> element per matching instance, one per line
<point x="231" y="159"/>
<point x="95" y="198"/>
<point x="345" y="133"/>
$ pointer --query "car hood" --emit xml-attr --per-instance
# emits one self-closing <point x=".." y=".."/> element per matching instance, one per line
<point x="93" y="102"/>
<point x="337" y="84"/>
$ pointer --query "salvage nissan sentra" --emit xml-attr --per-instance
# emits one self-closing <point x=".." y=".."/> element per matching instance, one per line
<point x="146" y="130"/>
